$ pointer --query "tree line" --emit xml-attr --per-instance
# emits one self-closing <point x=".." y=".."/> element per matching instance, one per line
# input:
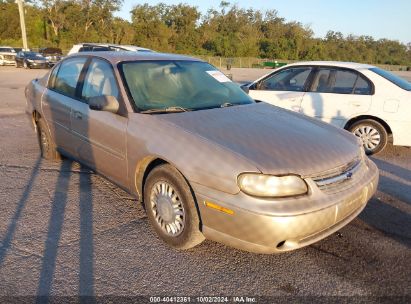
<point x="227" y="31"/>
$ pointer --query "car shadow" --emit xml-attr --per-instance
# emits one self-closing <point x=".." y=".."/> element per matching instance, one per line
<point x="86" y="273"/>
<point x="395" y="180"/>
<point x="54" y="232"/>
<point x="57" y="216"/>
<point x="11" y="229"/>
<point x="389" y="220"/>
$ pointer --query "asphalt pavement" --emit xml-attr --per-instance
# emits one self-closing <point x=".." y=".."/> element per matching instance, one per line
<point x="65" y="231"/>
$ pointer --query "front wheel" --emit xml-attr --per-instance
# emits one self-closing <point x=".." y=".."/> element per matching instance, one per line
<point x="171" y="208"/>
<point x="372" y="133"/>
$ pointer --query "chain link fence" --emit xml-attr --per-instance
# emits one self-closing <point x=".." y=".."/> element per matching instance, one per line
<point x="252" y="62"/>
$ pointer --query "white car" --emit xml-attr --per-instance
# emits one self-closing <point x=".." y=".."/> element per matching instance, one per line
<point x="7" y="55"/>
<point x="370" y="102"/>
<point x="96" y="47"/>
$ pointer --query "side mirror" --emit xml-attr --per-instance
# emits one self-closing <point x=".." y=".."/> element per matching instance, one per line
<point x="104" y="103"/>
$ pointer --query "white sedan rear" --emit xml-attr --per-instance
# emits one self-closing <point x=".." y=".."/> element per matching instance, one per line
<point x="370" y="102"/>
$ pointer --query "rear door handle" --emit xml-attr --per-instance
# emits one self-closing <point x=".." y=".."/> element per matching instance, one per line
<point x="78" y="115"/>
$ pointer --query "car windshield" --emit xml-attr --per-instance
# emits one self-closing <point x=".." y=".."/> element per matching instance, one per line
<point x="401" y="82"/>
<point x="7" y="50"/>
<point x="190" y="85"/>
<point x="33" y="55"/>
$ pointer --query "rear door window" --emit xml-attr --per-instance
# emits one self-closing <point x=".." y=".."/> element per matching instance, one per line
<point x="340" y="81"/>
<point x="68" y="76"/>
<point x="344" y="82"/>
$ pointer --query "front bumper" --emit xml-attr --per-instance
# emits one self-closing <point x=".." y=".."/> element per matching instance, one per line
<point x="36" y="65"/>
<point x="268" y="226"/>
<point x="7" y="62"/>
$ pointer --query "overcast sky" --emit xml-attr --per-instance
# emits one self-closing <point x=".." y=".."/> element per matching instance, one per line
<point x="377" y="18"/>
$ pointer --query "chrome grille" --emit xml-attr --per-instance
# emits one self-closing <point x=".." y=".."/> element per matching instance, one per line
<point x="341" y="178"/>
<point x="8" y="57"/>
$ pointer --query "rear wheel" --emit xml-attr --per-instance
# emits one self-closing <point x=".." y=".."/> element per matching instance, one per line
<point x="46" y="143"/>
<point x="171" y="208"/>
<point x="372" y="133"/>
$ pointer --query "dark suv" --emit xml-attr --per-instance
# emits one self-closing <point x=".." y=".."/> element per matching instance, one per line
<point x="52" y="54"/>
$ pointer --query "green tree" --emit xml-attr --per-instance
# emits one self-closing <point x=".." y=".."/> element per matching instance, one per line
<point x="150" y="28"/>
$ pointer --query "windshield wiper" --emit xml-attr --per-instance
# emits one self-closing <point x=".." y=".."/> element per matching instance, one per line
<point x="166" y="110"/>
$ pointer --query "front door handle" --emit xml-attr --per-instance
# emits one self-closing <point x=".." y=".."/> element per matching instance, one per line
<point x="78" y="115"/>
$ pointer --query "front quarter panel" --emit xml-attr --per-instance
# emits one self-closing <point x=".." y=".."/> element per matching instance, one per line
<point x="199" y="160"/>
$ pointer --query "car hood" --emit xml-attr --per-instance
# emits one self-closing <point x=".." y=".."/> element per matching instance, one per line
<point x="275" y="140"/>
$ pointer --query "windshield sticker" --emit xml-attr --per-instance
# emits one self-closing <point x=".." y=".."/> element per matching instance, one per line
<point x="217" y="75"/>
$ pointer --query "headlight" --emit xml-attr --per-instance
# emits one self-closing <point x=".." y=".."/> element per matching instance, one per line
<point x="30" y="60"/>
<point x="271" y="186"/>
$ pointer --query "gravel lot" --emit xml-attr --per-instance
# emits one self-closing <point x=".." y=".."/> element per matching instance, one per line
<point x="67" y="231"/>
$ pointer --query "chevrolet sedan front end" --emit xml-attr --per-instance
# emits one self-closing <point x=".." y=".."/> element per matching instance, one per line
<point x="272" y="225"/>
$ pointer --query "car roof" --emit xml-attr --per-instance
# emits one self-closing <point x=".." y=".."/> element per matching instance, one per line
<point x="125" y="46"/>
<point x="118" y="56"/>
<point x="350" y="65"/>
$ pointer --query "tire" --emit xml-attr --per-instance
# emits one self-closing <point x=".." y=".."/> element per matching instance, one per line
<point x="46" y="143"/>
<point x="172" y="213"/>
<point x="373" y="135"/>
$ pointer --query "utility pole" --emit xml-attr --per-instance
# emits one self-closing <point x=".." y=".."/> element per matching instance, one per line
<point x="22" y="23"/>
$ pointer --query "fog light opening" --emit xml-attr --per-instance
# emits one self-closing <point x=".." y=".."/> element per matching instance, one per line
<point x="280" y="244"/>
